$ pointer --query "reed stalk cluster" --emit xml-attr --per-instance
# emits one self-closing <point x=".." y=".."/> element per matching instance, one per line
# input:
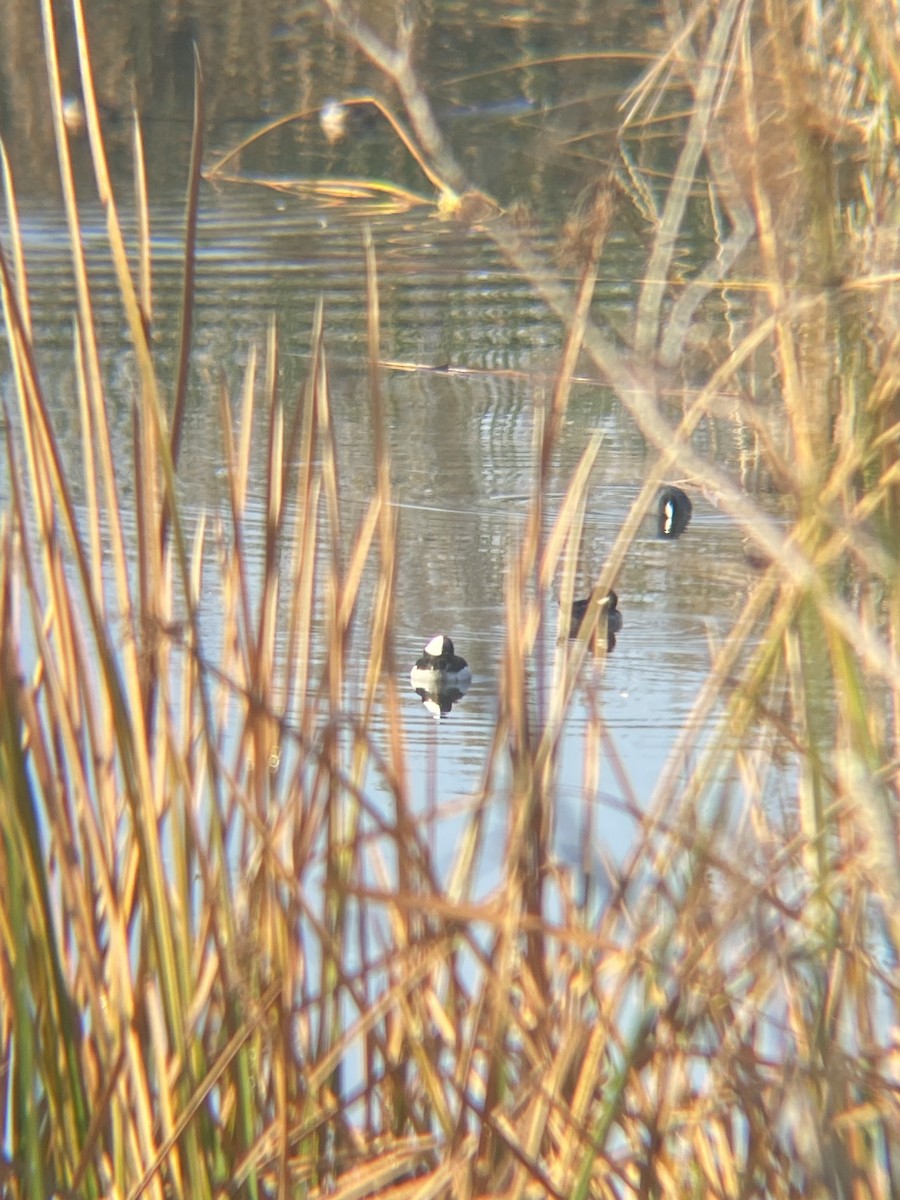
<point x="224" y="970"/>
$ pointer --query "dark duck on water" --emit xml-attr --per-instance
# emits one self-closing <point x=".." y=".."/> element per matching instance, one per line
<point x="673" y="512"/>
<point x="609" y="611"/>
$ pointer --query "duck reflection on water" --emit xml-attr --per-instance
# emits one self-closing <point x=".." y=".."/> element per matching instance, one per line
<point x="440" y="702"/>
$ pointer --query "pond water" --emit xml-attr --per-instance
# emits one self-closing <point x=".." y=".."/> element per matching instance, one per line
<point x="461" y="441"/>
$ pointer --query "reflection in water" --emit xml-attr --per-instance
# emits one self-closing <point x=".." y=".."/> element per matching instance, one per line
<point x="674" y="512"/>
<point x="441" y="700"/>
<point x="533" y="133"/>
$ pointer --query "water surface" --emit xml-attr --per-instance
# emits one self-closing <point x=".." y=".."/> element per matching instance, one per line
<point x="461" y="441"/>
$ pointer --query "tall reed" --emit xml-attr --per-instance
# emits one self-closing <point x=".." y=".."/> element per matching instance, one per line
<point x="202" y="990"/>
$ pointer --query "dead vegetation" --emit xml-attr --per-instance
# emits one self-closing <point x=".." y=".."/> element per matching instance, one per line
<point x="224" y="971"/>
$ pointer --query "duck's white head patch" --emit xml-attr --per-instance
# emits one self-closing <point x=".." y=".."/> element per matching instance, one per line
<point x="436" y="646"/>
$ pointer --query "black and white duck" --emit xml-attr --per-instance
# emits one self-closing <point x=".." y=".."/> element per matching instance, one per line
<point x="674" y="510"/>
<point x="613" y="616"/>
<point x="439" y="667"/>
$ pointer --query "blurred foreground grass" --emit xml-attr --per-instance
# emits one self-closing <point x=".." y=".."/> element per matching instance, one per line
<point x="202" y="991"/>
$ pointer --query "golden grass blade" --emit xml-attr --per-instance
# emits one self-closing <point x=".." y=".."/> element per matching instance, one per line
<point x="15" y="237"/>
<point x="265" y="730"/>
<point x="305" y="556"/>
<point x="367" y="197"/>
<point x="190" y="250"/>
<point x="127" y="290"/>
<point x="238" y="464"/>
<point x="150" y="551"/>
<point x="145" y="276"/>
<point x="89" y="459"/>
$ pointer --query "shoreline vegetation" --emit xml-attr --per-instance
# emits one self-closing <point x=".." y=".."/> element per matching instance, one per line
<point x="223" y="970"/>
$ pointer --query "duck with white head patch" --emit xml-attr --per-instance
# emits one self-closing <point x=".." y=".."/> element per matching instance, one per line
<point x="439" y="667"/>
<point x="609" y="609"/>
<point x="674" y="510"/>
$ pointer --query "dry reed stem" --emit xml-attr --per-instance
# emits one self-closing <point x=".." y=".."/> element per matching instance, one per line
<point x="647" y="321"/>
<point x="695" y="1009"/>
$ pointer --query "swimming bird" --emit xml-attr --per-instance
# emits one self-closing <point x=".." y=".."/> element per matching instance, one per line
<point x="439" y="667"/>
<point x="613" y="617"/>
<point x="673" y="512"/>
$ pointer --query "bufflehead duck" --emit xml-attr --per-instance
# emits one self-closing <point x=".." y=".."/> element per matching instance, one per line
<point x="674" y="512"/>
<point x="613" y="616"/>
<point x="439" y="666"/>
